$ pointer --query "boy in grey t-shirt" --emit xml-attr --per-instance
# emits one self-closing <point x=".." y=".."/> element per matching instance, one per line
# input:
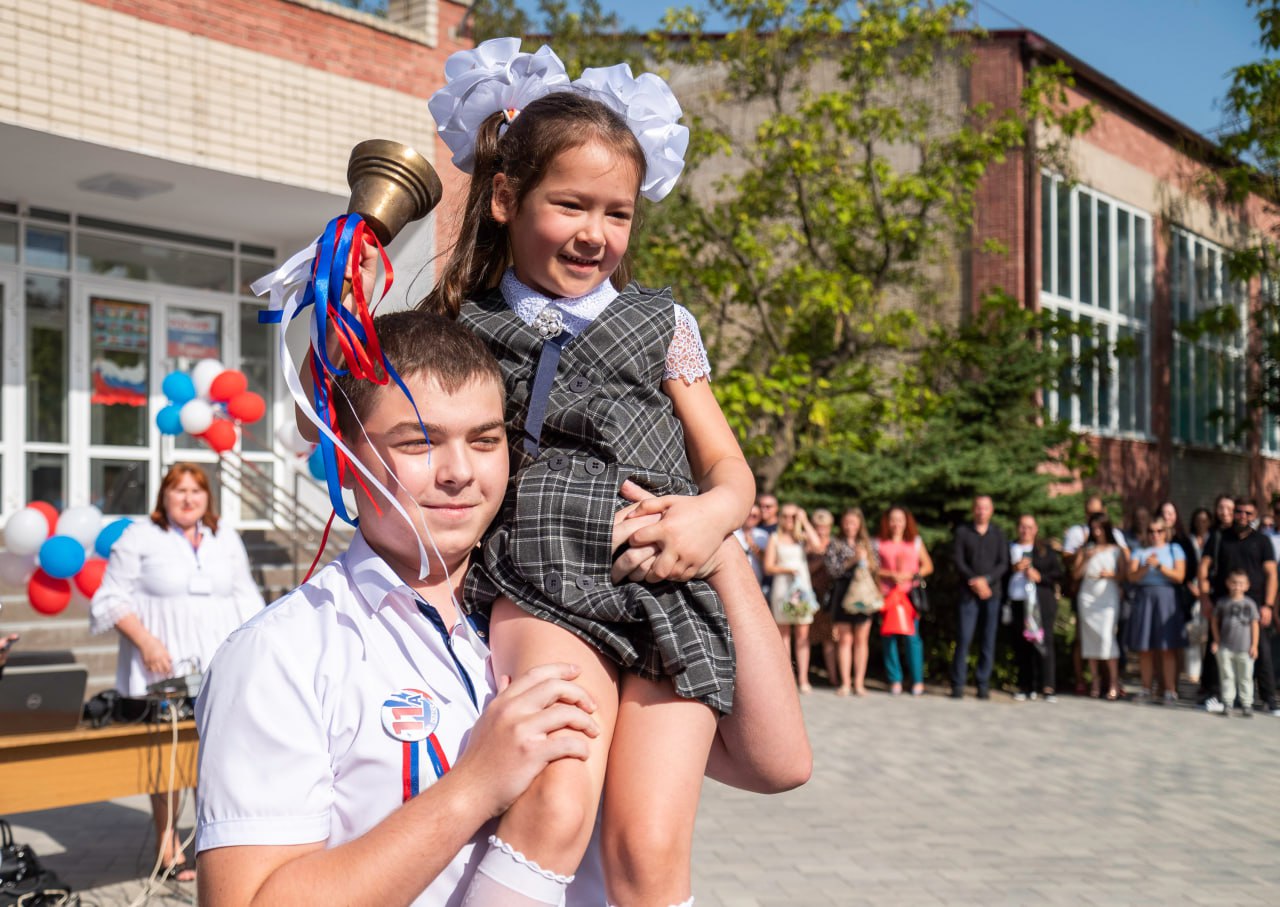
<point x="1235" y="642"/>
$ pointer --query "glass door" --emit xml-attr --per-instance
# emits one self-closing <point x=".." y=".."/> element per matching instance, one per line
<point x="194" y="330"/>
<point x="122" y="433"/>
<point x="10" y="393"/>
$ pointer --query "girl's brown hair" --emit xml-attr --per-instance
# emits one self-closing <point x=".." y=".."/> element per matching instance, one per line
<point x="908" y="535"/>
<point x="171" y="478"/>
<point x="546" y="128"/>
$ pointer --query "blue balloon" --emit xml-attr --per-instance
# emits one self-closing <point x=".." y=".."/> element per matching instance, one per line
<point x="315" y="464"/>
<point x="110" y="532"/>
<point x="169" y="419"/>
<point x="178" y="387"/>
<point x="61" y="556"/>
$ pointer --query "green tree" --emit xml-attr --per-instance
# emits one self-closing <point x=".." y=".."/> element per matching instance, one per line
<point x="813" y="258"/>
<point x="982" y="432"/>
<point x="582" y="37"/>
<point x="1251" y="144"/>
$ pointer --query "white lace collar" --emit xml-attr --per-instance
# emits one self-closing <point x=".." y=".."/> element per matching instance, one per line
<point x="578" y="312"/>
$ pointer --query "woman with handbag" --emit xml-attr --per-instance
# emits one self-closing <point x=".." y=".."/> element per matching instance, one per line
<point x="1036" y="570"/>
<point x="791" y="594"/>
<point x="854" y="598"/>
<point x="904" y="562"/>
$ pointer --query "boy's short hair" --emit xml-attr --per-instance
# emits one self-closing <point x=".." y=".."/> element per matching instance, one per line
<point x="1237" y="572"/>
<point x="416" y="343"/>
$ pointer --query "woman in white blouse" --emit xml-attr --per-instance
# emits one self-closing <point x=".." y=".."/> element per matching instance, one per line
<point x="175" y="587"/>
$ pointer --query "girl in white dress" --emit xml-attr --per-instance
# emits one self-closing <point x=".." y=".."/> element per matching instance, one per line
<point x="791" y="595"/>
<point x="1100" y="568"/>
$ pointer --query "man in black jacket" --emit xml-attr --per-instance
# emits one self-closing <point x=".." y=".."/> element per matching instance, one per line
<point x="982" y="560"/>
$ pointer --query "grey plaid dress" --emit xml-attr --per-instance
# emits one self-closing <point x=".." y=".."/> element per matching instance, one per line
<point x="607" y="420"/>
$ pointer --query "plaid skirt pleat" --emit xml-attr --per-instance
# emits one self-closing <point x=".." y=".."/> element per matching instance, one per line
<point x="607" y="421"/>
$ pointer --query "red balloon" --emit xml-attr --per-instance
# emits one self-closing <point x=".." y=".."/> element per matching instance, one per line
<point x="221" y="435"/>
<point x="47" y="594"/>
<point x="227" y="385"/>
<point x="50" y="513"/>
<point x="90" y="576"/>
<point x="247" y="407"/>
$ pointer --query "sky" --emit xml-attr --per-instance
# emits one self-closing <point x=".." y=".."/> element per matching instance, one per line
<point x="1174" y="54"/>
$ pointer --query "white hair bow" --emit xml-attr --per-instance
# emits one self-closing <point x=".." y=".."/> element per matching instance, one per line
<point x="497" y="76"/>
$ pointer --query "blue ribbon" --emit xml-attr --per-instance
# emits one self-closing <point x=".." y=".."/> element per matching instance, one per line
<point x="333" y="251"/>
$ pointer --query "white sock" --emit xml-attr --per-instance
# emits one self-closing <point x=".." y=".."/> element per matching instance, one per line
<point x="688" y="903"/>
<point x="506" y="878"/>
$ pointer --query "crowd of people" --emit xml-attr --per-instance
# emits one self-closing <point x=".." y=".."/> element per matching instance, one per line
<point x="1194" y="598"/>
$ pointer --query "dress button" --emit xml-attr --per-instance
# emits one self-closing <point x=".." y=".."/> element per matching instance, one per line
<point x="584" y="582"/>
<point x="554" y="582"/>
<point x="593" y="467"/>
<point x="558" y="462"/>
<point x="579" y="384"/>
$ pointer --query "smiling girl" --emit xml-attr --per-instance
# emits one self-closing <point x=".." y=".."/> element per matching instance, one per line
<point x="606" y="381"/>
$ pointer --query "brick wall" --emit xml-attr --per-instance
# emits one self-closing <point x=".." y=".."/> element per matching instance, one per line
<point x="1001" y="203"/>
<point x="271" y="89"/>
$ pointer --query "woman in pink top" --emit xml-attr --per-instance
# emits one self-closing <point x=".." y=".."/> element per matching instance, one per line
<point x="903" y="562"/>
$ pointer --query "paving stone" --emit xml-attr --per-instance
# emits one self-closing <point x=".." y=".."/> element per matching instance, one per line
<point x="915" y="803"/>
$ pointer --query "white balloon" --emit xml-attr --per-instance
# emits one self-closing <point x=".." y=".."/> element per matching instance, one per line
<point x="25" y="531"/>
<point x="81" y="523"/>
<point x="16" y="569"/>
<point x="290" y="438"/>
<point x="203" y="374"/>
<point x="196" y="416"/>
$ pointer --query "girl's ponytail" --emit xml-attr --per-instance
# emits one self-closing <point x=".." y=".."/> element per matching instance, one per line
<point x="479" y="254"/>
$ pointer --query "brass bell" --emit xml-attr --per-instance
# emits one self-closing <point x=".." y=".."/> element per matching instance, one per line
<point x="391" y="185"/>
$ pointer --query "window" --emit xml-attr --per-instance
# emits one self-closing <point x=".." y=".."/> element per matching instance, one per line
<point x="1210" y="373"/>
<point x="1095" y="258"/>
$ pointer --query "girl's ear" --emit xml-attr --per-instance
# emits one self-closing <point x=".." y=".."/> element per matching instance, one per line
<point x="502" y="201"/>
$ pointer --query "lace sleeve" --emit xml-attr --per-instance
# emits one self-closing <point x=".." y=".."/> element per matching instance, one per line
<point x="686" y="357"/>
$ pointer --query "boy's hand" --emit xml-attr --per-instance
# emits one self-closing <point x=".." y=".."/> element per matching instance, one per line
<point x="1253" y="652"/>
<point x="536" y="719"/>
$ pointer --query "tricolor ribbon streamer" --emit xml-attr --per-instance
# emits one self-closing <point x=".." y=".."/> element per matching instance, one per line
<point x="313" y="278"/>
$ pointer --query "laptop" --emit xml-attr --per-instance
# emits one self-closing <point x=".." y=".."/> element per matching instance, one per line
<point x="41" y="694"/>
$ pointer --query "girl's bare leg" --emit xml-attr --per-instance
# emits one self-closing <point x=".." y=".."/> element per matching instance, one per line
<point x="551" y="824"/>
<point x="802" y="657"/>
<point x="844" y="655"/>
<point x="1146" y="669"/>
<point x="656" y="765"/>
<point x="861" y="654"/>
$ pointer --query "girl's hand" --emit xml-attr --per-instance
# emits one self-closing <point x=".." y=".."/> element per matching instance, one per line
<point x="685" y="542"/>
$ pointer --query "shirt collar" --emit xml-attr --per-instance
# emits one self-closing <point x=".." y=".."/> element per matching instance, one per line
<point x="578" y="312"/>
<point x="372" y="577"/>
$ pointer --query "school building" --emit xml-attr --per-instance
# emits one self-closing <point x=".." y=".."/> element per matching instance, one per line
<point x="1129" y="245"/>
<point x="159" y="156"/>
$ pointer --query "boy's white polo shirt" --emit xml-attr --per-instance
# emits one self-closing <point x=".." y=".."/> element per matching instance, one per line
<point x="294" y="744"/>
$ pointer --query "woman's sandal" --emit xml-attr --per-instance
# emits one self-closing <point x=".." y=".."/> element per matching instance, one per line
<point x="1113" y="695"/>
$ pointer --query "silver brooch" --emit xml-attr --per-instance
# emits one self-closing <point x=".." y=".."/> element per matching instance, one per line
<point x="549" y="323"/>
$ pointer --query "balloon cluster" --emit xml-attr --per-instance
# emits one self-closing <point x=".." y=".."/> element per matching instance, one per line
<point x="47" y="552"/>
<point x="292" y="440"/>
<point x="205" y="403"/>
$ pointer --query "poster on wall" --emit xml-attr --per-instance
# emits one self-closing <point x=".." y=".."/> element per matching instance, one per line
<point x="193" y="335"/>
<point x="120" y="340"/>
